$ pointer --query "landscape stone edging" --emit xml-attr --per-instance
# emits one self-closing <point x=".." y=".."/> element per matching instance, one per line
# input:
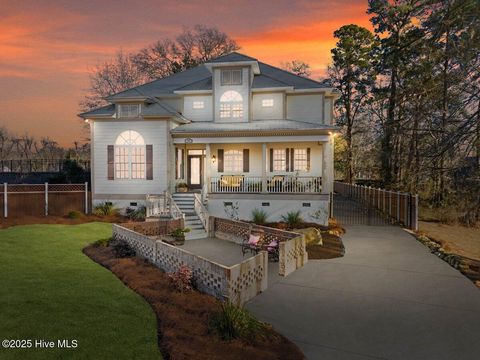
<point x="468" y="267"/>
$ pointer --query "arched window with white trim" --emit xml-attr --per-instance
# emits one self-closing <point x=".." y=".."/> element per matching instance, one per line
<point x="231" y="105"/>
<point x="130" y="156"/>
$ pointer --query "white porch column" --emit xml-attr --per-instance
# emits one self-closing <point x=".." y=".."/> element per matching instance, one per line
<point x="264" y="167"/>
<point x="208" y="164"/>
<point x="327" y="166"/>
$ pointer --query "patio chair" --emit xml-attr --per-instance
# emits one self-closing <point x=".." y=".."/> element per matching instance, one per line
<point x="275" y="184"/>
<point x="231" y="182"/>
<point x="257" y="241"/>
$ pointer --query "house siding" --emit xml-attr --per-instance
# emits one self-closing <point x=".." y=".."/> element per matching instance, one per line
<point x="268" y="113"/>
<point x="155" y="133"/>
<point x="174" y="103"/>
<point x="243" y="90"/>
<point x="305" y="108"/>
<point x="205" y="114"/>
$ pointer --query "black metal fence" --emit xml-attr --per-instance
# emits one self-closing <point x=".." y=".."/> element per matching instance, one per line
<point x="355" y="205"/>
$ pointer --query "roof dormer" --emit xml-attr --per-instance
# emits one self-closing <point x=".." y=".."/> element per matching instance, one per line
<point x="234" y="59"/>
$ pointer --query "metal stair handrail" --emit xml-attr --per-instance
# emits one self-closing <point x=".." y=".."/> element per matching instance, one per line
<point x="201" y="210"/>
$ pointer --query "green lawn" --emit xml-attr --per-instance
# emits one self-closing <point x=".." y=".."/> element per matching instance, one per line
<point x="49" y="290"/>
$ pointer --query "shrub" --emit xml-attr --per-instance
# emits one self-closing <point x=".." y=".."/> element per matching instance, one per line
<point x="138" y="214"/>
<point x="179" y="232"/>
<point x="102" y="242"/>
<point x="182" y="278"/>
<point x="233" y="322"/>
<point x="259" y="216"/>
<point x="293" y="219"/>
<point x="74" y="215"/>
<point x="105" y="209"/>
<point x="121" y="248"/>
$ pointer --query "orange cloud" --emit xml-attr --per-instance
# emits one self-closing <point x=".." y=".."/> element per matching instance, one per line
<point x="46" y="49"/>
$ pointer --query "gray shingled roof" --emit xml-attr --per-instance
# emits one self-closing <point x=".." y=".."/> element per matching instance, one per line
<point x="167" y="84"/>
<point x="258" y="125"/>
<point x="107" y="110"/>
<point x="148" y="109"/>
<point x="199" y="78"/>
<point x="157" y="109"/>
<point x="204" y="84"/>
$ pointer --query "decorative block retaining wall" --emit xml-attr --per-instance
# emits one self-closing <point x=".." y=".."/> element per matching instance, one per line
<point x="293" y="253"/>
<point x="238" y="283"/>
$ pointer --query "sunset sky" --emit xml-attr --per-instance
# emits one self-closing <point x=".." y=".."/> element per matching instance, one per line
<point x="48" y="47"/>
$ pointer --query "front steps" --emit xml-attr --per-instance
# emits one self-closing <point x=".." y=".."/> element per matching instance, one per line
<point x="186" y="203"/>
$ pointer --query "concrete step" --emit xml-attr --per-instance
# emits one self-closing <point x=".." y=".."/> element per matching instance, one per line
<point x="194" y="222"/>
<point x="196" y="234"/>
<point x="195" y="228"/>
<point x="183" y="196"/>
<point x="184" y="201"/>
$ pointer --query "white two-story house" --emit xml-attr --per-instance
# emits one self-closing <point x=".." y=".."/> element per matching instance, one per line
<point x="241" y="134"/>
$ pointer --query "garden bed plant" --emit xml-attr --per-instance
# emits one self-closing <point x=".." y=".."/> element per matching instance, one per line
<point x="192" y="325"/>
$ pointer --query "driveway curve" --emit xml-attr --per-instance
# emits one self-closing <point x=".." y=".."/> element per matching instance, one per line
<point x="387" y="298"/>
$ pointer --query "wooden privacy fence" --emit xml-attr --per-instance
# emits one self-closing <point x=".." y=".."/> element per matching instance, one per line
<point x="43" y="199"/>
<point x="39" y="165"/>
<point x="398" y="207"/>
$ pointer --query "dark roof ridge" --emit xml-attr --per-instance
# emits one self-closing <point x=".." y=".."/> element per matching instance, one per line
<point x="230" y="53"/>
<point x="197" y="81"/>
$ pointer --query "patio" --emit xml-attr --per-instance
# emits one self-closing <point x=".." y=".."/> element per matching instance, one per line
<point x="226" y="253"/>
<point x="218" y="264"/>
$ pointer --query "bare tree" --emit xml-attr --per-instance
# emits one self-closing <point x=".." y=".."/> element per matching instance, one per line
<point x="162" y="58"/>
<point x="111" y="77"/>
<point x="297" y="67"/>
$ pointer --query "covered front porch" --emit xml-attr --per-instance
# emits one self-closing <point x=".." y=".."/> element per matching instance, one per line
<point x="254" y="165"/>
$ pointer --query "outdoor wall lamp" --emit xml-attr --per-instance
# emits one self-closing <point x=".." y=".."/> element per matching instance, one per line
<point x="214" y="159"/>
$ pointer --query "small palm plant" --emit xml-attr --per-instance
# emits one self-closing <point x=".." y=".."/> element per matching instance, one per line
<point x="293" y="219"/>
<point x="105" y="209"/>
<point x="259" y="216"/>
<point x="233" y="322"/>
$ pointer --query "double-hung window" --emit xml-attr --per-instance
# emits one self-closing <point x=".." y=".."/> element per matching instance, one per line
<point x="300" y="160"/>
<point x="231" y="77"/>
<point x="290" y="159"/>
<point x="279" y="160"/>
<point x="129" y="110"/>
<point x="233" y="160"/>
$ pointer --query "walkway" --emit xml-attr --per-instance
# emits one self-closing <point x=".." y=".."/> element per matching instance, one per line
<point x="388" y="298"/>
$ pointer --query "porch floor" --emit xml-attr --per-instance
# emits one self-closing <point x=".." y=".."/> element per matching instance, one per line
<point x="226" y="253"/>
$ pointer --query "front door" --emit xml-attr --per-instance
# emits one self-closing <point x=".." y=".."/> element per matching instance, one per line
<point x="195" y="171"/>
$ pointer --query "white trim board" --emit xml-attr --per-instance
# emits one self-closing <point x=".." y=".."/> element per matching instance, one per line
<point x="253" y="139"/>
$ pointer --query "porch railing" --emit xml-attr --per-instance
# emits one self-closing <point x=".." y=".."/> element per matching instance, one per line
<point x="277" y="184"/>
<point x="162" y="206"/>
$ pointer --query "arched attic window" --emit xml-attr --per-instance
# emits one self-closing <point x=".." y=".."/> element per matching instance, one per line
<point x="231" y="105"/>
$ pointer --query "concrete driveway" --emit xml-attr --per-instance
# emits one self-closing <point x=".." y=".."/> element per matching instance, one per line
<point x="388" y="298"/>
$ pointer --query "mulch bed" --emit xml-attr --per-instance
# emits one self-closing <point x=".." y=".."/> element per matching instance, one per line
<point x="332" y="247"/>
<point x="183" y="317"/>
